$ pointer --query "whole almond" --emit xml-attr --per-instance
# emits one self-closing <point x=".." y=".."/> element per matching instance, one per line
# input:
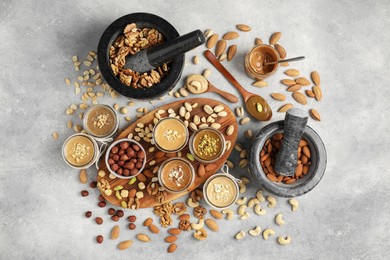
<point x="201" y="170"/>
<point x="83" y="176"/>
<point x="243" y="27"/>
<point x="174" y="231"/>
<point x="284" y="64"/>
<point x="275" y="38"/>
<point x="315" y="77"/>
<point x="125" y="244"/>
<point x="230" y="35"/>
<point x="154" y="229"/>
<point x="282" y="52"/>
<point x="170" y="239"/>
<point x="172" y="248"/>
<point x="148" y="222"/>
<point x="220" y="48"/>
<point x="285" y="107"/>
<point x="294" y="88"/>
<point x="315" y="115"/>
<point x="115" y="232"/>
<point x="216" y="214"/>
<point x="212" y="224"/>
<point x="231" y="52"/>
<point x="317" y="92"/>
<point x="260" y="84"/>
<point x="288" y="82"/>
<point x="292" y="72"/>
<point x="212" y="41"/>
<point x="300" y="98"/>
<point x="210" y="167"/>
<point x="309" y="93"/>
<point x="258" y="41"/>
<point x="278" y="96"/>
<point x="302" y="81"/>
<point x="143" y="237"/>
<point x="184" y="217"/>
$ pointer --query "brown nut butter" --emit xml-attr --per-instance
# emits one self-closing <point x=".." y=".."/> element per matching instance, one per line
<point x="255" y="59"/>
<point x="176" y="174"/>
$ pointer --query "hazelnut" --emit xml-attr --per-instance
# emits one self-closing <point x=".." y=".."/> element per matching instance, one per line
<point x="133" y="171"/>
<point x="114" y="167"/>
<point x="99" y="239"/>
<point x="114" y="150"/>
<point x="124" y="145"/>
<point x="99" y="220"/>
<point x="140" y="154"/>
<point x="121" y="152"/>
<point x="120" y="171"/>
<point x="111" y="161"/>
<point x="93" y="184"/>
<point x="115" y="218"/>
<point x="129" y="165"/>
<point x="132" y="218"/>
<point x="102" y="204"/>
<point x="120" y="213"/>
<point x="124" y="157"/>
<point x="136" y="147"/>
<point x="88" y="214"/>
<point x="101" y="198"/>
<point x="111" y="211"/>
<point x="84" y="193"/>
<point x="130" y="152"/>
<point x="126" y="172"/>
<point x="121" y="163"/>
<point x="116" y="157"/>
<point x="138" y="165"/>
<point x="132" y="226"/>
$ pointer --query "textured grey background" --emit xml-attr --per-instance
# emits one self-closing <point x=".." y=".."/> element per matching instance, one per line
<point x="346" y="217"/>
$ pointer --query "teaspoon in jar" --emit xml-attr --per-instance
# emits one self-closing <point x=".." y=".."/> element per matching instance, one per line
<point x="197" y="84"/>
<point x="285" y="60"/>
<point x="256" y="105"/>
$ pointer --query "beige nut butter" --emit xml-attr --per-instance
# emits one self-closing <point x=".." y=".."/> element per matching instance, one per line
<point x="221" y="191"/>
<point x="170" y="134"/>
<point x="79" y="150"/>
<point x="101" y="121"/>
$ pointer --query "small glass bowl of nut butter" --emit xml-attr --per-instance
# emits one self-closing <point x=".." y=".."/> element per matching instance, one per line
<point x="207" y="145"/>
<point x="80" y="151"/>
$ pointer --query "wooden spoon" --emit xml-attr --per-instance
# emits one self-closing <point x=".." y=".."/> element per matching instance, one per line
<point x="255" y="104"/>
<point x="229" y="97"/>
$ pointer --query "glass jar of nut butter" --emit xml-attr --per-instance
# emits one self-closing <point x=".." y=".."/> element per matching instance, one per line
<point x="255" y="61"/>
<point x="100" y="121"/>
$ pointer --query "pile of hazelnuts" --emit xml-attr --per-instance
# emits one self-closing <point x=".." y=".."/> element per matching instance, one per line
<point x="126" y="158"/>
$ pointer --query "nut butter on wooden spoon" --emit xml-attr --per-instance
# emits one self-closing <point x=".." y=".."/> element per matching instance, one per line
<point x="256" y="105"/>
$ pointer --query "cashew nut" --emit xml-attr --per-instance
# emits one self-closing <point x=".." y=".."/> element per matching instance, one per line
<point x="200" y="234"/>
<point x="241" y="210"/>
<point x="259" y="210"/>
<point x="242" y="201"/>
<point x="244" y="216"/>
<point x="294" y="204"/>
<point x="198" y="225"/>
<point x="240" y="235"/>
<point x="252" y="202"/>
<point x="255" y="232"/>
<point x="268" y="232"/>
<point x="259" y="196"/>
<point x="242" y="187"/>
<point x="229" y="213"/>
<point x="272" y="201"/>
<point x="191" y="203"/>
<point x="245" y="180"/>
<point x="279" y="220"/>
<point x="284" y="240"/>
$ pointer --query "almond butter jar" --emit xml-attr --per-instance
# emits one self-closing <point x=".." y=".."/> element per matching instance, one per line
<point x="101" y="121"/>
<point x="176" y="175"/>
<point x="255" y="59"/>
<point x="80" y="151"/>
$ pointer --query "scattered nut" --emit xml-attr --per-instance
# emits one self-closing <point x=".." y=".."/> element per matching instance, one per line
<point x="284" y="240"/>
<point x="272" y="201"/>
<point x="255" y="232"/>
<point x="198" y="225"/>
<point x="259" y="210"/>
<point x="240" y="235"/>
<point x="268" y="232"/>
<point x="229" y="213"/>
<point x="294" y="204"/>
<point x="279" y="220"/>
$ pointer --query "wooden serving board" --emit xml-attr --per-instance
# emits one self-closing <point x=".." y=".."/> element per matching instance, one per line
<point x="149" y="200"/>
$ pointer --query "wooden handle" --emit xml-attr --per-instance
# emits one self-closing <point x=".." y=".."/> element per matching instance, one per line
<point x="294" y="126"/>
<point x="218" y="65"/>
<point x="229" y="97"/>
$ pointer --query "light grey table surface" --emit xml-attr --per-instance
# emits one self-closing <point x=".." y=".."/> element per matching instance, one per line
<point x="347" y="216"/>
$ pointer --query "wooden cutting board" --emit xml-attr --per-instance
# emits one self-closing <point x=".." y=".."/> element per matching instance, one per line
<point x="149" y="200"/>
